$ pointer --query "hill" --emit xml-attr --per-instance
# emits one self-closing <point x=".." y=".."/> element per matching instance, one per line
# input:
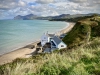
<point x="72" y="18"/>
<point x="83" y="31"/>
<point x="76" y="60"/>
<point x="26" y="17"/>
<point x="79" y="61"/>
<point x="51" y="18"/>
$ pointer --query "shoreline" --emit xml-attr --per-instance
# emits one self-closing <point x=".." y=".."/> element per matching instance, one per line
<point x="27" y="51"/>
<point x="66" y="29"/>
<point x="23" y="52"/>
<point x="22" y="46"/>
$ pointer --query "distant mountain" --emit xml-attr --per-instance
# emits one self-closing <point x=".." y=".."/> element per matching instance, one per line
<point x="18" y="17"/>
<point x="62" y="16"/>
<point x="72" y="18"/>
<point x="27" y="17"/>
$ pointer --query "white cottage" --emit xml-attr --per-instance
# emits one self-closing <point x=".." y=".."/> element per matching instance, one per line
<point x="46" y="38"/>
<point x="55" y="41"/>
<point x="58" y="43"/>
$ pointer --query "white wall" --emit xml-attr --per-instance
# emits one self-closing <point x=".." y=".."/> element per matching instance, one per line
<point x="62" y="43"/>
<point x="44" y="39"/>
<point x="48" y="39"/>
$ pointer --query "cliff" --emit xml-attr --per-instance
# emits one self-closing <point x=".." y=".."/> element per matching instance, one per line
<point x="83" y="31"/>
<point x="79" y="61"/>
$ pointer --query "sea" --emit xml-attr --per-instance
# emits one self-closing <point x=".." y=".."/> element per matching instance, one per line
<point x="15" y="34"/>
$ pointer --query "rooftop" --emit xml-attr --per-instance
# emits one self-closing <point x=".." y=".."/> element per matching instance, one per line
<point x="50" y="35"/>
<point x="57" y="40"/>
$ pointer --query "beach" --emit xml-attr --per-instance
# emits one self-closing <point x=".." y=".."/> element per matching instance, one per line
<point x="28" y="50"/>
<point x="66" y="29"/>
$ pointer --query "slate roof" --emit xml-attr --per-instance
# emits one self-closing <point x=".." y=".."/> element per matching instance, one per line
<point x="51" y="35"/>
<point x="56" y="39"/>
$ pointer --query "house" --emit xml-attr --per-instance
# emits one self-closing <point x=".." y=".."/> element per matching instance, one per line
<point x="54" y="42"/>
<point x="57" y="43"/>
<point x="46" y="38"/>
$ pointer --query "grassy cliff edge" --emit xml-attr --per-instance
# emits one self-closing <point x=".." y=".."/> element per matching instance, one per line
<point x="83" y="31"/>
<point x="76" y="60"/>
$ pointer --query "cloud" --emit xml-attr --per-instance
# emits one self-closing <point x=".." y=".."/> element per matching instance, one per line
<point x="45" y="1"/>
<point x="10" y="4"/>
<point x="78" y="1"/>
<point x="7" y="4"/>
<point x="11" y="8"/>
<point x="21" y="3"/>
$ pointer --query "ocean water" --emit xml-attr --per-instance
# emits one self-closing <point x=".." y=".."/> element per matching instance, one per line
<point x="15" y="34"/>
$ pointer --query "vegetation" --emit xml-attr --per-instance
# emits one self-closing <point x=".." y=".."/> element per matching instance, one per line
<point x="61" y="17"/>
<point x="74" y="19"/>
<point x="77" y="60"/>
<point x="83" y="31"/>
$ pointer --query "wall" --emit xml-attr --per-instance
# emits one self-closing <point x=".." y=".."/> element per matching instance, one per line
<point x="55" y="43"/>
<point x="64" y="45"/>
<point x="44" y="39"/>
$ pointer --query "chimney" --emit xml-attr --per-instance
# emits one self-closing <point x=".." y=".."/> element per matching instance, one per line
<point x="47" y="32"/>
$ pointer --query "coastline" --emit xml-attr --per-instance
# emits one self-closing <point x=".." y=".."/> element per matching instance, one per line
<point x="66" y="29"/>
<point x="23" y="52"/>
<point x="26" y="51"/>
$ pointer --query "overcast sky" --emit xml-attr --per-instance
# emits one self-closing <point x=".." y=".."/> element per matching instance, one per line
<point x="11" y="8"/>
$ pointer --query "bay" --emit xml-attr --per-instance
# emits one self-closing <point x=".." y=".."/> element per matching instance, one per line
<point x="15" y="34"/>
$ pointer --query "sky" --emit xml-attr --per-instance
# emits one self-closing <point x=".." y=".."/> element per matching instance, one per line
<point x="11" y="8"/>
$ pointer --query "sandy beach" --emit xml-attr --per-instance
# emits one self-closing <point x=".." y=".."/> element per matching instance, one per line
<point x="28" y="50"/>
<point x="24" y="52"/>
<point x="66" y="29"/>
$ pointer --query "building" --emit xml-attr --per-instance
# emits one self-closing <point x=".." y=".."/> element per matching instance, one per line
<point x="57" y="43"/>
<point x="54" y="42"/>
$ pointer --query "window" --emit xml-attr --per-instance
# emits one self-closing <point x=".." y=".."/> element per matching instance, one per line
<point x="62" y="45"/>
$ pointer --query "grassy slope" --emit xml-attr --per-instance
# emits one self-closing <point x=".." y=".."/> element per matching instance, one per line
<point x="83" y="31"/>
<point x="80" y="61"/>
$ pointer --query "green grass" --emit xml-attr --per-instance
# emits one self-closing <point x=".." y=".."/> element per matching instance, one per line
<point x="79" y="61"/>
<point x="83" y="31"/>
